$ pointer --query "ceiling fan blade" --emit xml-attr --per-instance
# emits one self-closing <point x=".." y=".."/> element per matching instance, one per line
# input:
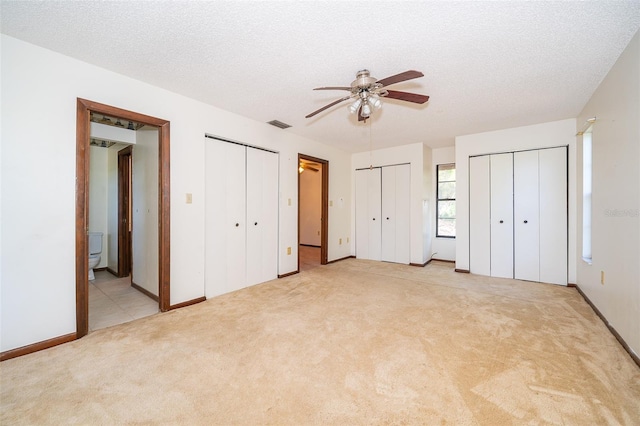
<point x="403" y="76"/>
<point x="333" y="88"/>
<point x="327" y="106"/>
<point x="406" y="96"/>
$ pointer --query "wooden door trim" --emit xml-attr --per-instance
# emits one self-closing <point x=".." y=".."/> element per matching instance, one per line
<point x="124" y="237"/>
<point x="324" y="225"/>
<point x="84" y="108"/>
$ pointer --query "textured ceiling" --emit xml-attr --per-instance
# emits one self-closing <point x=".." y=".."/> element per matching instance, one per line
<point x="487" y="65"/>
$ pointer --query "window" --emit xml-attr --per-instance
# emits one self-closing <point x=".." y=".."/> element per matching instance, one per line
<point x="587" y="170"/>
<point x="446" y="201"/>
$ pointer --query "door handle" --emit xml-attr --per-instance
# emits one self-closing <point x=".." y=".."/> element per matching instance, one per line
<point x="526" y="221"/>
<point x="237" y="224"/>
<point x="374" y="218"/>
<point x="256" y="223"/>
<point x="502" y="221"/>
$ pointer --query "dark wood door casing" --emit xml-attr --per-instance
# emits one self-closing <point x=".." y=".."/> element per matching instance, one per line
<point x="324" y="225"/>
<point x="84" y="108"/>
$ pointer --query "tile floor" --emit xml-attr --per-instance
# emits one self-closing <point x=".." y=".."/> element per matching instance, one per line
<point x="113" y="301"/>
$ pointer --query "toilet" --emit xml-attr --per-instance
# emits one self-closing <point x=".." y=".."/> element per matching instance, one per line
<point x="95" y="248"/>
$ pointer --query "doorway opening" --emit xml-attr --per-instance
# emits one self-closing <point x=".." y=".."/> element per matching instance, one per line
<point x="313" y="210"/>
<point x="84" y="109"/>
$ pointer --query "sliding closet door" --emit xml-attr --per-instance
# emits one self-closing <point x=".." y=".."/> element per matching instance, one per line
<point x="553" y="215"/>
<point x="262" y="216"/>
<point x="225" y="225"/>
<point x="526" y="196"/>
<point x="501" y="172"/>
<point x="368" y="209"/>
<point x="479" y="215"/>
<point x="395" y="213"/>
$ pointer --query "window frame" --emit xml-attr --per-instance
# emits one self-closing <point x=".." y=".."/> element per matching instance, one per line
<point x="438" y="199"/>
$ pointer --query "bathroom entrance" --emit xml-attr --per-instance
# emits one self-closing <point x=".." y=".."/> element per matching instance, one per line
<point x="156" y="206"/>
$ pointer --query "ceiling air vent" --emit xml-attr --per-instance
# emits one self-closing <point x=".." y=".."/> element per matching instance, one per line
<point x="279" y="124"/>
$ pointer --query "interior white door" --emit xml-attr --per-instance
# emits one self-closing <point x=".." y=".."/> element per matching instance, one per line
<point x="403" y="214"/>
<point x="553" y="215"/>
<point x="388" y="210"/>
<point x="262" y="215"/>
<point x="501" y="172"/>
<point x="225" y="230"/>
<point x="479" y="215"/>
<point x="362" y="224"/>
<point x="374" y="209"/>
<point x="368" y="208"/>
<point x="526" y="196"/>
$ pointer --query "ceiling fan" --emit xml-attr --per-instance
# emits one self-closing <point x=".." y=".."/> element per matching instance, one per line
<point x="367" y="91"/>
<point x="308" y="165"/>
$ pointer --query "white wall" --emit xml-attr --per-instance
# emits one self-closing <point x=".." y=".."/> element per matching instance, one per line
<point x="311" y="206"/>
<point x="615" y="197"/>
<point x="38" y="209"/>
<point x="557" y="133"/>
<point x="415" y="155"/>
<point x="144" y="197"/>
<point x="443" y="248"/>
<point x="98" y="197"/>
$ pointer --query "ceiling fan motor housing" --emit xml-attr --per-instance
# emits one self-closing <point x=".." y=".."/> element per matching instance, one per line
<point x="364" y="85"/>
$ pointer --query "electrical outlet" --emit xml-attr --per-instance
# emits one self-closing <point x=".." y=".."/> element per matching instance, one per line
<point x="289" y="201"/>
<point x="347" y="240"/>
<point x="288" y="250"/>
<point x="602" y="277"/>
<point x="340" y="241"/>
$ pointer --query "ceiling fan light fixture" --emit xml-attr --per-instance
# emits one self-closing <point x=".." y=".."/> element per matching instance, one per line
<point x="366" y="110"/>
<point x="353" y="108"/>
<point x="374" y="101"/>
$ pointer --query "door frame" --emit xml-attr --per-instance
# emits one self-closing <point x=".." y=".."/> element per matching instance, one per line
<point x="84" y="108"/>
<point x="324" y="218"/>
<point x="124" y="212"/>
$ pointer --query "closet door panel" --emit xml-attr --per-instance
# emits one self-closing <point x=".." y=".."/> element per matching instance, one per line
<point x="526" y="216"/>
<point x="374" y="208"/>
<point x="479" y="215"/>
<point x="368" y="207"/>
<point x="225" y="206"/>
<point x="270" y="194"/>
<point x="388" y="219"/>
<point x="262" y="216"/>
<point x="501" y="172"/>
<point x="553" y="216"/>
<point x="362" y="214"/>
<point x="403" y="214"/>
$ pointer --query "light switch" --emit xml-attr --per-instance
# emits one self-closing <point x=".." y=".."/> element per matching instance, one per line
<point x="289" y="201"/>
<point x="288" y="250"/>
<point x="331" y="203"/>
<point x="189" y="198"/>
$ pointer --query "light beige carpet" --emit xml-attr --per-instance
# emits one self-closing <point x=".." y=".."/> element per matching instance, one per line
<point x="355" y="342"/>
